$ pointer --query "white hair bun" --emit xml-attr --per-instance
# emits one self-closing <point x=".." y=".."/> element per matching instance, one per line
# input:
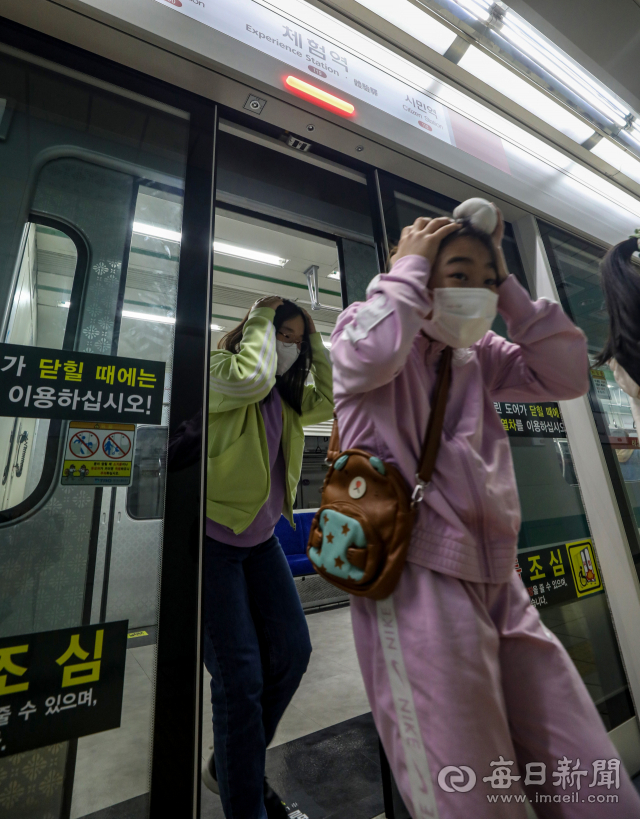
<point x="482" y="214"/>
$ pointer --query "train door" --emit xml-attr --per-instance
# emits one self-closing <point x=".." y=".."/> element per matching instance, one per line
<point x="292" y="223"/>
<point x="95" y="199"/>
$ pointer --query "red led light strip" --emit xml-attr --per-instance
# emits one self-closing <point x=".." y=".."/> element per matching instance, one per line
<point x="319" y="97"/>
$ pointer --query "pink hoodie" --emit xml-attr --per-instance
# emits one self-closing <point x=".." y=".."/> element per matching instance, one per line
<point x="384" y="370"/>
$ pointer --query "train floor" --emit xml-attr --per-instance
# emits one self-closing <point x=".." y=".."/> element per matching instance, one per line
<point x="324" y="719"/>
<point x="323" y="761"/>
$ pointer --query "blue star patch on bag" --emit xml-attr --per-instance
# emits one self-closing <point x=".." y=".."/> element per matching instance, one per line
<point x="339" y="532"/>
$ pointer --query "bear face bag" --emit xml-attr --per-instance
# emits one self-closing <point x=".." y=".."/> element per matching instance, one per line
<point x="360" y="536"/>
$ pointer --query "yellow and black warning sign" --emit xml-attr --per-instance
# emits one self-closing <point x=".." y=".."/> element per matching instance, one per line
<point x="559" y="573"/>
<point x="98" y="454"/>
<point x="59" y="685"/>
<point x="584" y="568"/>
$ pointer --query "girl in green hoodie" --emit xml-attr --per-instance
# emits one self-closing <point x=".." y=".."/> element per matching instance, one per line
<point x="256" y="639"/>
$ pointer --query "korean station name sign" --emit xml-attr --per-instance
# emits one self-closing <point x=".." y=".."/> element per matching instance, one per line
<point x="37" y="382"/>
<point x="531" y="420"/>
<point x="351" y="67"/>
<point x="560" y="573"/>
<point x="60" y="685"/>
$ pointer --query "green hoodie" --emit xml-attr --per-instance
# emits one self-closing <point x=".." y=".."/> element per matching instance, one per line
<point x="238" y="473"/>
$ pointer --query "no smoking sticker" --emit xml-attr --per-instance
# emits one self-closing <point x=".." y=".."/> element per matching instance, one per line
<point x="98" y="455"/>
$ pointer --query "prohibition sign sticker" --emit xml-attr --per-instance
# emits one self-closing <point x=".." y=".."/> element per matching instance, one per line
<point x="116" y="445"/>
<point x="99" y="456"/>
<point x="84" y="444"/>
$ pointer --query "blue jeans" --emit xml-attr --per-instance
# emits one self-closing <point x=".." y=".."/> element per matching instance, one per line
<point x="256" y="648"/>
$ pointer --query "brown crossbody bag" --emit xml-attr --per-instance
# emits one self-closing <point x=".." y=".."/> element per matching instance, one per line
<point x="361" y="534"/>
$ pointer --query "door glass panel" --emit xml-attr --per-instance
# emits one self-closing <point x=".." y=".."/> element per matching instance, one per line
<point x="90" y="222"/>
<point x="306" y="217"/>
<point x="552" y="511"/>
<point x="145" y="496"/>
<point x="576" y="268"/>
<point x="38" y="316"/>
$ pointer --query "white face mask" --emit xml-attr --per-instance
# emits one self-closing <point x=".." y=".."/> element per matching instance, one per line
<point x="462" y="315"/>
<point x="287" y="356"/>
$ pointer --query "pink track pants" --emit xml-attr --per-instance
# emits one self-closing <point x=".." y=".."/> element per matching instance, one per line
<point x="461" y="675"/>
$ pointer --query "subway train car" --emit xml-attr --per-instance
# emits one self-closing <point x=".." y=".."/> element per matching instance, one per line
<point x="164" y="165"/>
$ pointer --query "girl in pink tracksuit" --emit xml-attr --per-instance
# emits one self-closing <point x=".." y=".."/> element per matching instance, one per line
<point x="476" y="701"/>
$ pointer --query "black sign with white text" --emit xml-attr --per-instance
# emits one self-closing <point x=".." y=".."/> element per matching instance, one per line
<point x="36" y="382"/>
<point x="60" y="685"/>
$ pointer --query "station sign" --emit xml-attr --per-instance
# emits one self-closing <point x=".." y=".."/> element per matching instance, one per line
<point x="60" y="685"/>
<point x="531" y="420"/>
<point x="98" y="454"/>
<point x="37" y="382"/>
<point x="561" y="573"/>
<point x="342" y="58"/>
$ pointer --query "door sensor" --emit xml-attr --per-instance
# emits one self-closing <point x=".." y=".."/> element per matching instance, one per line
<point x="255" y="104"/>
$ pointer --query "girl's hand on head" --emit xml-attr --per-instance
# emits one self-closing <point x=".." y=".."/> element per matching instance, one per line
<point x="423" y="238"/>
<point x="497" y="236"/>
<point x="310" y="324"/>
<point x="269" y="301"/>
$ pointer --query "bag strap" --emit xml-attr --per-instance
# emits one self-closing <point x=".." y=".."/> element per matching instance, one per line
<point x="333" y="450"/>
<point x="432" y="439"/>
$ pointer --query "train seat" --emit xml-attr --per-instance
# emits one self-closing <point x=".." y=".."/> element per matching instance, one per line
<point x="294" y="542"/>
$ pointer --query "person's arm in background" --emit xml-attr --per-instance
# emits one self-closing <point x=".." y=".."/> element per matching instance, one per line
<point x="248" y="376"/>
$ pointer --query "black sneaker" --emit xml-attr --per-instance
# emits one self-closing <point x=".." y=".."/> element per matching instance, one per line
<point x="273" y="804"/>
<point x="209" y="778"/>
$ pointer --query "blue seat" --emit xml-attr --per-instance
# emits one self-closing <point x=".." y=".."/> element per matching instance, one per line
<point x="294" y="542"/>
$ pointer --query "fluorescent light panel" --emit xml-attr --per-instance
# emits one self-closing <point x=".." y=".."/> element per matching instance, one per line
<point x="148" y="317"/>
<point x="334" y="275"/>
<point x="245" y="253"/>
<point x="226" y="249"/>
<point x="156" y="232"/>
<point x="507" y="82"/>
<point x="556" y="63"/>
<point x="624" y="161"/>
<point x="480" y="9"/>
<point x="407" y="17"/>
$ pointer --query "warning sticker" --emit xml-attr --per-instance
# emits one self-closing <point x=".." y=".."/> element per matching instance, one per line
<point x="98" y="454"/>
<point x="584" y="567"/>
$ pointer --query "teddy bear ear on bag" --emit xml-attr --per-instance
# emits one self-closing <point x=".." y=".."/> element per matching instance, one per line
<point x="481" y="213"/>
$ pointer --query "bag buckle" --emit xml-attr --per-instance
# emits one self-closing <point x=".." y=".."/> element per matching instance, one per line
<point x="418" y="492"/>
